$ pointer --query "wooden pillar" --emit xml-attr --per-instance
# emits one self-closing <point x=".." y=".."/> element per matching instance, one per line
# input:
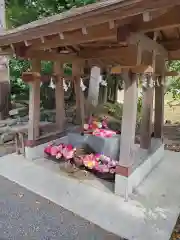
<point x="101" y="93"/>
<point x="105" y="95"/>
<point x="128" y="119"/>
<point x="34" y="103"/>
<point x="147" y="111"/>
<point x="80" y="108"/>
<point x="116" y="90"/>
<point x="4" y="72"/>
<point x="59" y="95"/>
<point x="159" y="108"/>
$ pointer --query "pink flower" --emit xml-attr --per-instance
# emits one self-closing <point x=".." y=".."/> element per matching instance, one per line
<point x="68" y="152"/>
<point x="54" y="150"/>
<point x="58" y="155"/>
<point x="104" y="122"/>
<point x="102" y="168"/>
<point x="47" y="149"/>
<point x="89" y="161"/>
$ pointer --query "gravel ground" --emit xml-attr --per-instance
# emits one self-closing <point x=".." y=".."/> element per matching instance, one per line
<point x="27" y="216"/>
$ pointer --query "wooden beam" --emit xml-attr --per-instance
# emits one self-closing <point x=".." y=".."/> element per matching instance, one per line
<point x="93" y="33"/>
<point x="174" y="55"/>
<point x="147" y="44"/>
<point x="171" y="19"/>
<point x="125" y="34"/>
<point x="172" y="74"/>
<point x="6" y="51"/>
<point x="51" y="56"/>
<point x="141" y="68"/>
<point x="124" y="55"/>
<point x="171" y="45"/>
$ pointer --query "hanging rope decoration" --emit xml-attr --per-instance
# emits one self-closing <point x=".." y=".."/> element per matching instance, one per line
<point x="65" y="86"/>
<point x="51" y="84"/>
<point x="102" y="82"/>
<point x="83" y="87"/>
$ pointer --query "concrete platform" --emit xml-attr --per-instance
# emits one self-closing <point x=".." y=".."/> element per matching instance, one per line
<point x="149" y="214"/>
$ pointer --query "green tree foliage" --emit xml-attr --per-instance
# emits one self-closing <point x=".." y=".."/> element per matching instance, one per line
<point x="173" y="84"/>
<point x="18" y="88"/>
<point x="24" y="11"/>
<point x="20" y="12"/>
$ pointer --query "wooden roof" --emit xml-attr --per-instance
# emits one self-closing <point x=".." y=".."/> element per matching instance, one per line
<point x="107" y="31"/>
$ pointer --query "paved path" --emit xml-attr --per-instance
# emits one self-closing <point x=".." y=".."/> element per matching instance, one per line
<point x="150" y="212"/>
<point x="27" y="216"/>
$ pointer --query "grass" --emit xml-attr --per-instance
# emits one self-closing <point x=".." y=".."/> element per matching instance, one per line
<point x="172" y="110"/>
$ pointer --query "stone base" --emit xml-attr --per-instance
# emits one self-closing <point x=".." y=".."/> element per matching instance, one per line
<point x="109" y="146"/>
<point x="127" y="181"/>
<point x="33" y="153"/>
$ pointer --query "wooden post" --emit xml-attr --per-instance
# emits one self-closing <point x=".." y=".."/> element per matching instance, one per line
<point x="101" y="92"/>
<point x="80" y="108"/>
<point x="159" y="108"/>
<point x="4" y="72"/>
<point x="147" y="104"/>
<point x="104" y="100"/>
<point x="34" y="103"/>
<point x="116" y="90"/>
<point x="147" y="111"/>
<point x="129" y="119"/>
<point x="59" y="94"/>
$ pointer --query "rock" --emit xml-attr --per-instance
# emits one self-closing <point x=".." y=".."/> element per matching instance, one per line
<point x="9" y="121"/>
<point x="137" y="139"/>
<point x="6" y="138"/>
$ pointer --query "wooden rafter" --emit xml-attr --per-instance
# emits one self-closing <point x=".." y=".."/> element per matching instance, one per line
<point x="68" y="31"/>
<point x="95" y="14"/>
<point x="171" y="19"/>
<point x="96" y="33"/>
